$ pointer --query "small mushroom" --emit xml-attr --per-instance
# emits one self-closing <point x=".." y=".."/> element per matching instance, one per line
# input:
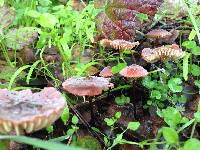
<point x="86" y="86"/>
<point x="118" y="44"/>
<point x="134" y="71"/>
<point x="158" y="34"/>
<point x="106" y="72"/>
<point x="172" y="52"/>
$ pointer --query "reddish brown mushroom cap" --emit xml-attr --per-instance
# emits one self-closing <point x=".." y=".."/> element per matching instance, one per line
<point x="86" y="86"/>
<point x="26" y="111"/>
<point x="158" y="33"/>
<point x="134" y="71"/>
<point x="106" y="72"/>
<point x="118" y="44"/>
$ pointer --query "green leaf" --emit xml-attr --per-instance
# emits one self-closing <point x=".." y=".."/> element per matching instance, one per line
<point x="133" y="125"/>
<point x="195" y="70"/>
<point x="14" y="76"/>
<point x="118" y="115"/>
<point x="118" y="67"/>
<point x="47" y="20"/>
<point x="1" y="3"/>
<point x="33" y="13"/>
<point x="109" y="121"/>
<point x="197" y="116"/>
<point x="65" y="115"/>
<point x="174" y="85"/>
<point x="185" y="65"/>
<point x="142" y="17"/>
<point x="50" y="129"/>
<point x="170" y="135"/>
<point x="4" y="145"/>
<point x="171" y="116"/>
<point x="75" y="119"/>
<point x="197" y="83"/>
<point x="38" y="143"/>
<point x="122" y="100"/>
<point x="155" y="94"/>
<point x="192" y="35"/>
<point x="192" y="144"/>
<point x="196" y="50"/>
<point x="189" y="44"/>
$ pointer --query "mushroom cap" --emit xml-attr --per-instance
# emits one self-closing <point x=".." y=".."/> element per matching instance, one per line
<point x="118" y="44"/>
<point x="149" y="55"/>
<point x="171" y="52"/>
<point x="158" y="33"/>
<point x="26" y="111"/>
<point x="86" y="86"/>
<point x="134" y="71"/>
<point x="106" y="72"/>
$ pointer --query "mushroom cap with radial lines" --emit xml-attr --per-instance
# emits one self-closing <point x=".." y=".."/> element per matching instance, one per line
<point x="158" y="33"/>
<point x="106" y="72"/>
<point x="134" y="71"/>
<point x="86" y="86"/>
<point x="118" y="44"/>
<point x="26" y="111"/>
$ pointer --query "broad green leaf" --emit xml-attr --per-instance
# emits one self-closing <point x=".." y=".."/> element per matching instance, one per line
<point x="196" y="51"/>
<point x="170" y="135"/>
<point x="192" y="35"/>
<point x="33" y="13"/>
<point x="133" y="125"/>
<point x="47" y="20"/>
<point x="118" y="67"/>
<point x="38" y="143"/>
<point x="109" y="121"/>
<point x="175" y="85"/>
<point x="75" y="119"/>
<point x="195" y="70"/>
<point x="155" y="94"/>
<point x="189" y="44"/>
<point x="192" y="144"/>
<point x="171" y="116"/>
<point x="185" y="65"/>
<point x="122" y="100"/>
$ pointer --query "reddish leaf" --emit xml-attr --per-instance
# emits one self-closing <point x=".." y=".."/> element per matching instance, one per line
<point x="119" y="21"/>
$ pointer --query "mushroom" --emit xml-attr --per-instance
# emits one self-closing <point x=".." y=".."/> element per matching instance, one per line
<point x="134" y="71"/>
<point x="86" y="86"/>
<point x="25" y="112"/>
<point x="106" y="72"/>
<point x="172" y="52"/>
<point x="158" y="34"/>
<point x="118" y="44"/>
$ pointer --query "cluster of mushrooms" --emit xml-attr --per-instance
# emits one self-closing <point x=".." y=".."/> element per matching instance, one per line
<point x="25" y="112"/>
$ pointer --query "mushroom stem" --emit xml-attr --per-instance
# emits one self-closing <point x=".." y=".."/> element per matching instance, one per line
<point x="157" y="70"/>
